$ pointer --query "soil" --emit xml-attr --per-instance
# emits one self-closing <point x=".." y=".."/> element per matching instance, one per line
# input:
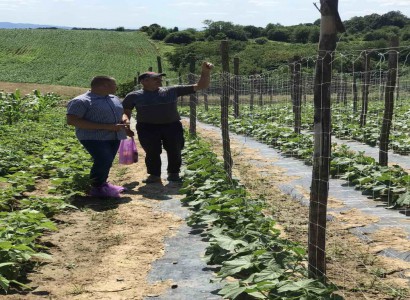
<point x="104" y="250"/>
<point x="66" y="92"/>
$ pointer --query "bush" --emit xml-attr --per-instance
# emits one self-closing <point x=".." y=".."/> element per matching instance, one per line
<point x="220" y="36"/>
<point x="279" y="34"/>
<point x="124" y="88"/>
<point x="261" y="40"/>
<point x="159" y="34"/>
<point x="181" y="37"/>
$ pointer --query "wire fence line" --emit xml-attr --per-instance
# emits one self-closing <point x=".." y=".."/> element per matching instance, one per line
<point x="277" y="107"/>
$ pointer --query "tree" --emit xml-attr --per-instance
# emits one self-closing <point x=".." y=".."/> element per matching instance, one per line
<point x="405" y="33"/>
<point x="159" y="34"/>
<point x="314" y="34"/>
<point x="220" y="36"/>
<point x="217" y="27"/>
<point x="381" y="34"/>
<point x="152" y="28"/>
<point x="237" y="33"/>
<point x="253" y="31"/>
<point x="279" y="34"/>
<point x="181" y="37"/>
<point x="301" y="34"/>
<point x="392" y="18"/>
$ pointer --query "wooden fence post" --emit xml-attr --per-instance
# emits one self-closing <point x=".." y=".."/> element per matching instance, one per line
<point x="192" y="99"/>
<point x="236" y="87"/>
<point x="252" y="90"/>
<point x="355" y="97"/>
<point x="296" y="93"/>
<point x="344" y="90"/>
<point x="365" y="90"/>
<point x="159" y="63"/>
<point x="329" y="25"/>
<point x="206" y="101"/>
<point x="136" y="79"/>
<point x="225" y="109"/>
<point x="180" y="83"/>
<point x="389" y="101"/>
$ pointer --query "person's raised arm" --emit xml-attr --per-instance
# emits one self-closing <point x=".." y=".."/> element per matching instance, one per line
<point x="205" y="78"/>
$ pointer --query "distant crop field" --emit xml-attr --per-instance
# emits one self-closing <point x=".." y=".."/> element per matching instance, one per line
<point x="73" y="57"/>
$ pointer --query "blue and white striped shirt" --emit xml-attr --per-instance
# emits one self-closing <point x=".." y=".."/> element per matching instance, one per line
<point x="99" y="109"/>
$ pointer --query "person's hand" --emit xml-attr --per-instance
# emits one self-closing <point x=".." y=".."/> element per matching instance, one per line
<point x="129" y="132"/>
<point x="126" y="121"/>
<point x="119" y="127"/>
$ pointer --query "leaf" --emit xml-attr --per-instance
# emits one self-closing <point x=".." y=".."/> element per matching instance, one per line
<point x="209" y="218"/>
<point x="236" y="265"/>
<point x="7" y="264"/>
<point x="231" y="290"/>
<point x="6" y="245"/>
<point x="404" y="199"/>
<point x="305" y="284"/>
<point x="49" y="225"/>
<point x="228" y="243"/>
<point x="4" y="283"/>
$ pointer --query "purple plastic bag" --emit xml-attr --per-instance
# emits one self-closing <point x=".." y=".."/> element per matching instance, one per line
<point x="128" y="153"/>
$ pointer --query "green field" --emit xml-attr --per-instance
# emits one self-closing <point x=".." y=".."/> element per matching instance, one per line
<point x="73" y="57"/>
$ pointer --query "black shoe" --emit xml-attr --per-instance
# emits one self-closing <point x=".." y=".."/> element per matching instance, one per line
<point x="152" y="179"/>
<point x="174" y="177"/>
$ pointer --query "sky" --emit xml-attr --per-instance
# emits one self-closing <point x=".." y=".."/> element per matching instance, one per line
<point x="132" y="14"/>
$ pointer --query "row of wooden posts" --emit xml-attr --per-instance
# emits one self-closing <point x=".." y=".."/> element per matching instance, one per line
<point x="330" y="25"/>
<point x="299" y="87"/>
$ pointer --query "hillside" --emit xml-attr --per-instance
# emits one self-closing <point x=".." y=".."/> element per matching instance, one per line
<point x="8" y="25"/>
<point x="73" y="57"/>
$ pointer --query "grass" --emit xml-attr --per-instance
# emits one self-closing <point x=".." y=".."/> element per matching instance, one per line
<point x="73" y="57"/>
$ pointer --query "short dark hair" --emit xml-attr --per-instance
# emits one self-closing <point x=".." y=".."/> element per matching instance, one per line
<point x="101" y="80"/>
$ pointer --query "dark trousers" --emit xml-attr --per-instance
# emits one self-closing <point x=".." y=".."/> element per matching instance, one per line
<point x="155" y="136"/>
<point x="103" y="154"/>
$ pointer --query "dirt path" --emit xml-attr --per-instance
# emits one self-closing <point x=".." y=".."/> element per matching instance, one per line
<point x="27" y="88"/>
<point x="105" y="249"/>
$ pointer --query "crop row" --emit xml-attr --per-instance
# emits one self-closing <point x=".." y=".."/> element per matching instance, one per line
<point x="73" y="57"/>
<point x="345" y="122"/>
<point x="243" y="241"/>
<point x="383" y="183"/>
<point x="41" y="152"/>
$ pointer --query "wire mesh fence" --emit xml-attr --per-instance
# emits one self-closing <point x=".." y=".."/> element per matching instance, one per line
<point x="277" y="108"/>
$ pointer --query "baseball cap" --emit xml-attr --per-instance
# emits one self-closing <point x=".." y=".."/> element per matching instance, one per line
<point x="150" y="75"/>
